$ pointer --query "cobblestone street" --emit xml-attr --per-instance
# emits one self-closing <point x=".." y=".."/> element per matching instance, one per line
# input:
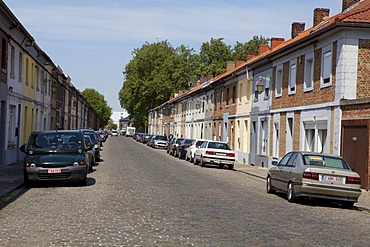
<point x="140" y="196"/>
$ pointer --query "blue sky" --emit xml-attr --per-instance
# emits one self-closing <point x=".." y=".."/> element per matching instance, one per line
<point x="92" y="40"/>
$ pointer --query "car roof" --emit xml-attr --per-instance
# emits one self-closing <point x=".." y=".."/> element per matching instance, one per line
<point x="316" y="153"/>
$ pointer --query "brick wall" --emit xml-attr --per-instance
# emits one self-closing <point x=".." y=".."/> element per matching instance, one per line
<point x="363" y="89"/>
<point x="300" y="98"/>
<point x="282" y="135"/>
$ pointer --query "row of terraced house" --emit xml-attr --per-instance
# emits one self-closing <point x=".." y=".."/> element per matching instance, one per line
<point x="35" y="93"/>
<point x="311" y="92"/>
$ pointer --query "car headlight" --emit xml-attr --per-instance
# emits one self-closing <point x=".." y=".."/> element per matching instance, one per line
<point x="96" y="146"/>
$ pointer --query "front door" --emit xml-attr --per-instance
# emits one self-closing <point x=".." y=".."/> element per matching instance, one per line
<point x="355" y="150"/>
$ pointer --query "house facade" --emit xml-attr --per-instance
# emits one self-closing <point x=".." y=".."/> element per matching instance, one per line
<point x="35" y="94"/>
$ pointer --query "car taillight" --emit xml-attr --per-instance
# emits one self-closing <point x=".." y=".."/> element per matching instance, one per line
<point x="231" y="155"/>
<point x="311" y="175"/>
<point x="353" y="180"/>
<point x="210" y="152"/>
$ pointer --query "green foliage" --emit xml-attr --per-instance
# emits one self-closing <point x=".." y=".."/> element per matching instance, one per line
<point x="111" y="125"/>
<point x="214" y="56"/>
<point x="157" y="71"/>
<point x="99" y="104"/>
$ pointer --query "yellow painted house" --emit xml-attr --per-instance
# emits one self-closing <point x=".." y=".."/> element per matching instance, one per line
<point x="28" y="103"/>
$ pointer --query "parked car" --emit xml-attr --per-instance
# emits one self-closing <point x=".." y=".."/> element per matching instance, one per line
<point x="138" y="136"/>
<point x="171" y="149"/>
<point x="191" y="150"/>
<point x="55" y="156"/>
<point x="314" y="175"/>
<point x="114" y="133"/>
<point x="90" y="152"/>
<point x="183" y="147"/>
<point x="216" y="153"/>
<point x="159" y="141"/>
<point x="95" y="140"/>
<point x="147" y="138"/>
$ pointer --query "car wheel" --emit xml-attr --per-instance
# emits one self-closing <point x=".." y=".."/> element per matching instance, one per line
<point x="186" y="158"/>
<point x="230" y="167"/>
<point x="346" y="204"/>
<point x="221" y="166"/>
<point x="269" y="188"/>
<point x="291" y="193"/>
<point x="202" y="163"/>
<point x="27" y="182"/>
<point x="195" y="161"/>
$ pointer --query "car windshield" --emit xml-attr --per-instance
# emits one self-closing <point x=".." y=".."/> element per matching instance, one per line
<point x="325" y="161"/>
<point x="218" y="145"/>
<point x="92" y="136"/>
<point x="57" y="140"/>
<point x="187" y="141"/>
<point x="161" y="138"/>
<point x="199" y="143"/>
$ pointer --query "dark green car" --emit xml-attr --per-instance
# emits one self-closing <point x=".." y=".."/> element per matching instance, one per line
<point x="56" y="156"/>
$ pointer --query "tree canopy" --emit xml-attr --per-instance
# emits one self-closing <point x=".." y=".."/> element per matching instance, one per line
<point x="99" y="104"/>
<point x="158" y="70"/>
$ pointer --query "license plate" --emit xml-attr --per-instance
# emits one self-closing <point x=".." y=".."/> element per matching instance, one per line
<point x="55" y="170"/>
<point x="221" y="154"/>
<point x="335" y="179"/>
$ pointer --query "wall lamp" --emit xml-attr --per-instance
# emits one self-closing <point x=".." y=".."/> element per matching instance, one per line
<point x="260" y="85"/>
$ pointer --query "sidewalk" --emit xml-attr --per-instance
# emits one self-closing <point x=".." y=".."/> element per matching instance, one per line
<point x="11" y="178"/>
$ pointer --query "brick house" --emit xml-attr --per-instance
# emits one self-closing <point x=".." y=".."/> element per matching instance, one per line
<point x="319" y="83"/>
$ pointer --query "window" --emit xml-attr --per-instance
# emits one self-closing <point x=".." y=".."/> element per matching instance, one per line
<point x="292" y="78"/>
<point x="37" y="78"/>
<point x="240" y="92"/>
<point x="285" y="159"/>
<point x="267" y="89"/>
<point x="279" y="81"/>
<point x="276" y="140"/>
<point x="3" y="54"/>
<point x="11" y="128"/>
<point x="308" y="74"/>
<point x="234" y="95"/>
<point x="27" y="74"/>
<point x="326" y="68"/>
<point x="12" y="62"/>
<point x="20" y="72"/>
<point x="293" y="160"/>
<point x="227" y="96"/>
<point x="221" y="98"/>
<point x="310" y="138"/>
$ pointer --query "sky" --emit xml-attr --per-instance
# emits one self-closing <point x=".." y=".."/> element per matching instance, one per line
<point x="92" y="40"/>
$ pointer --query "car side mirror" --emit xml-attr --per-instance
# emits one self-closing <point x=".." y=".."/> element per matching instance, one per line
<point x="89" y="147"/>
<point x="274" y="163"/>
<point x="23" y="148"/>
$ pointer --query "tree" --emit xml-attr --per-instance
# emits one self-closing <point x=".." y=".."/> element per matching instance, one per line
<point x="99" y="104"/>
<point x="156" y="71"/>
<point x="214" y="56"/>
<point x="241" y="50"/>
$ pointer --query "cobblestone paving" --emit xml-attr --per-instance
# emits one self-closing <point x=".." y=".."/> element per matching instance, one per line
<point x="139" y="196"/>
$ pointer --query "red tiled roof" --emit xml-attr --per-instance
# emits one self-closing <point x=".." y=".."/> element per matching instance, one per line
<point x="358" y="13"/>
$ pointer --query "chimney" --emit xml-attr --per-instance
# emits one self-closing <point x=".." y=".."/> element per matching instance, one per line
<point x="181" y="92"/>
<point x="197" y="83"/>
<point x="348" y="3"/>
<point x="230" y="65"/>
<point x="263" y="48"/>
<point x="205" y="78"/>
<point x="319" y="15"/>
<point x="297" y="28"/>
<point x="276" y="42"/>
<point x="250" y="56"/>
<point x="238" y="63"/>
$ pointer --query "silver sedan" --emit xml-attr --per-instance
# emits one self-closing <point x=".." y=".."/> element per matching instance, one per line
<point x="314" y="175"/>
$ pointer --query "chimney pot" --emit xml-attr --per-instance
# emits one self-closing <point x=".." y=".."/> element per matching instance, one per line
<point x="319" y="15"/>
<point x="348" y="3"/>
